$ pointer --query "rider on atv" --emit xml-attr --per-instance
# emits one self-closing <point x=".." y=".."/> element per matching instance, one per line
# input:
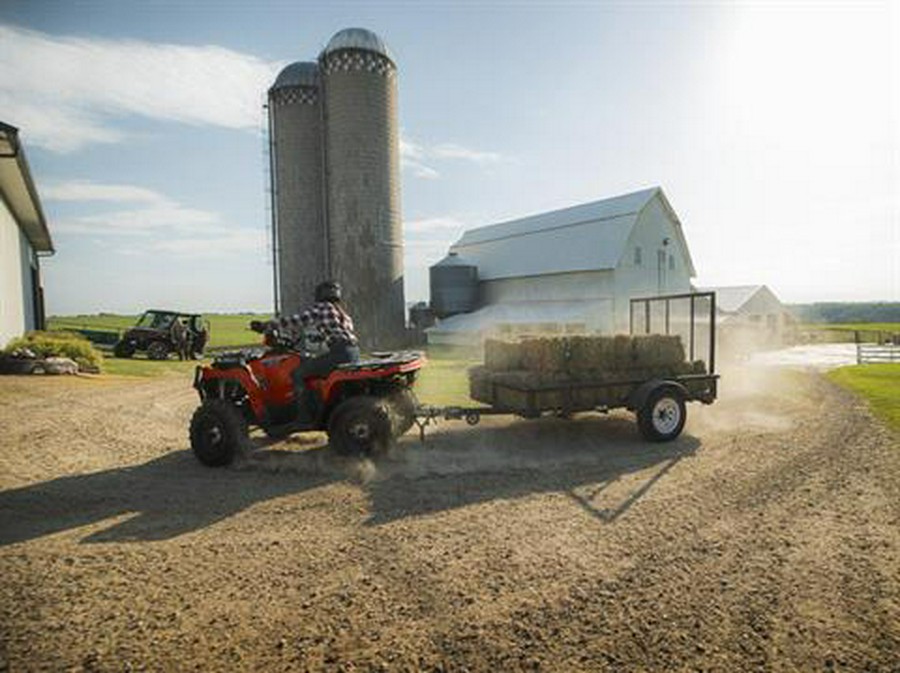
<point x="332" y="325"/>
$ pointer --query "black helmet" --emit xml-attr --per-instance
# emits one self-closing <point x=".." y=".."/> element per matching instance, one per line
<point x="328" y="291"/>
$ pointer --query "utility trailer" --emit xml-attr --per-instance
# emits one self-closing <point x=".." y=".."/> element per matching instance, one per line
<point x="658" y="399"/>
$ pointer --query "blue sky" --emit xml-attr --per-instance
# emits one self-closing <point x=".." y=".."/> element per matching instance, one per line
<point x="774" y="129"/>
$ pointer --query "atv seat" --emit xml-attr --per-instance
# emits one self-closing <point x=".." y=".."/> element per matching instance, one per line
<point x="381" y="361"/>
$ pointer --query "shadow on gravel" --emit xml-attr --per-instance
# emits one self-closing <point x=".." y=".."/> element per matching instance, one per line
<point x="580" y="457"/>
<point x="173" y="494"/>
<point x="166" y="497"/>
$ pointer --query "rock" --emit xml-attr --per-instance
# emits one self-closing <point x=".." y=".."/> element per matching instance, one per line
<point x="59" y="366"/>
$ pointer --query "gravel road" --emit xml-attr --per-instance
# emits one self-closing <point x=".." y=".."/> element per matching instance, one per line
<point x="766" y="538"/>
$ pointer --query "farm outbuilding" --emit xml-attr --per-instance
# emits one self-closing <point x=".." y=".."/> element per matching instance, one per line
<point x="24" y="239"/>
<point x="754" y="311"/>
<point x="568" y="271"/>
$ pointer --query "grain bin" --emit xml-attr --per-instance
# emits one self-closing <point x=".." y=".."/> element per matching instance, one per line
<point x="295" y="136"/>
<point x="362" y="177"/>
<point x="454" y="286"/>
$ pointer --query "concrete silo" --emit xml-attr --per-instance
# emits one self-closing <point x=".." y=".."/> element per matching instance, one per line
<point x="295" y="136"/>
<point x="362" y="177"/>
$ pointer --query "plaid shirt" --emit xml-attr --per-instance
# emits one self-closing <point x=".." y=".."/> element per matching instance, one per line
<point x="332" y="323"/>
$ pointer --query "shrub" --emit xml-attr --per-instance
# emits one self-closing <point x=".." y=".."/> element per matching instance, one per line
<point x="60" y="344"/>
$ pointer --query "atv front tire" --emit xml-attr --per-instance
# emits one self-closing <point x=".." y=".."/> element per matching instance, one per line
<point x="218" y="433"/>
<point x="360" y="426"/>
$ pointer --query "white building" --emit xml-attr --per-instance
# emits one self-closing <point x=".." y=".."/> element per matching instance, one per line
<point x="24" y="238"/>
<point x="754" y="309"/>
<point x="571" y="270"/>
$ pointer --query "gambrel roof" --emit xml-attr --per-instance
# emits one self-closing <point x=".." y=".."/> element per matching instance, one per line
<point x="588" y="237"/>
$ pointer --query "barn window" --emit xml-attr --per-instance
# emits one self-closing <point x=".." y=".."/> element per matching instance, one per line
<point x="637" y="255"/>
<point x="671" y="262"/>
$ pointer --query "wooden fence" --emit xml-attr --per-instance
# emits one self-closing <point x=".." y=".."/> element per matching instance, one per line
<point x="875" y="353"/>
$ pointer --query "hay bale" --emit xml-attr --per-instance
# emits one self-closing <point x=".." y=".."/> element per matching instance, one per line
<point x="480" y="384"/>
<point x="591" y="352"/>
<point x="502" y="356"/>
<point x="545" y="355"/>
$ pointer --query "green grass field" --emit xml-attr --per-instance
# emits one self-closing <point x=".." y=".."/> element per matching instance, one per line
<point x="445" y="380"/>
<point x="225" y="329"/>
<point x="893" y="327"/>
<point x="878" y="384"/>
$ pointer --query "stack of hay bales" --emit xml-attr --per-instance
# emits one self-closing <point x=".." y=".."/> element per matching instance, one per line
<point x="564" y="372"/>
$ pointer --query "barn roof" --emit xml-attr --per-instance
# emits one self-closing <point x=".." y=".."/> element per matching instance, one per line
<point x="731" y="299"/>
<point x="587" y="237"/>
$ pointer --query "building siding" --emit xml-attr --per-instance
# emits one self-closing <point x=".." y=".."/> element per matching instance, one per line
<point x="647" y="278"/>
<point x="16" y="292"/>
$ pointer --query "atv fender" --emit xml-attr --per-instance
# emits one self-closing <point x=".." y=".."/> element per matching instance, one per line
<point x="638" y="397"/>
<point x="208" y="376"/>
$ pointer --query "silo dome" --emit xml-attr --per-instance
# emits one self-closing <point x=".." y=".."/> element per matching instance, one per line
<point x="301" y="73"/>
<point x="298" y="214"/>
<point x="454" y="286"/>
<point x="358" y="39"/>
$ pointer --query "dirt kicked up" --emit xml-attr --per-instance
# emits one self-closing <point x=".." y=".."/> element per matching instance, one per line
<point x="766" y="538"/>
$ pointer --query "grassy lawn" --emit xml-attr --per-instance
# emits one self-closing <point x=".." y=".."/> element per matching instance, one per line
<point x="225" y="329"/>
<point x="878" y="384"/>
<point x="893" y="327"/>
<point x="143" y="367"/>
<point x="444" y="381"/>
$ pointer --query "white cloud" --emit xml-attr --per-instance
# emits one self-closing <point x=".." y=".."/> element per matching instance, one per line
<point x="446" y="226"/>
<point x="162" y="225"/>
<point x="84" y="190"/>
<point x="62" y="91"/>
<point x="416" y="157"/>
<point x="452" y="151"/>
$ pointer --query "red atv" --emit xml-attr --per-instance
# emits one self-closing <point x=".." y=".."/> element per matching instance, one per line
<point x="363" y="406"/>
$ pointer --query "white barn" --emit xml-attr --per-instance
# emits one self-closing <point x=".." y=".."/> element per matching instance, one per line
<point x="570" y="270"/>
<point x="24" y="238"/>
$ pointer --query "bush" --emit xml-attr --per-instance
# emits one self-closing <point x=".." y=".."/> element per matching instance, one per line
<point x="60" y="344"/>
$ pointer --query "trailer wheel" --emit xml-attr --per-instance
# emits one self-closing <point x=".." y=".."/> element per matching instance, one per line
<point x="662" y="417"/>
<point x="218" y="433"/>
<point x="360" y="426"/>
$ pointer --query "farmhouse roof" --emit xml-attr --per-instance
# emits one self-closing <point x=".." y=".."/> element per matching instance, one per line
<point x="586" y="237"/>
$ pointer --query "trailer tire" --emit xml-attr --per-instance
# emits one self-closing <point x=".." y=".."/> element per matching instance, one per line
<point x="218" y="433"/>
<point x="360" y="426"/>
<point x="662" y="416"/>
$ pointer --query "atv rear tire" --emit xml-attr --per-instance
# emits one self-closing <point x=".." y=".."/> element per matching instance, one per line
<point x="662" y="417"/>
<point x="123" y="349"/>
<point x="360" y="426"/>
<point x="158" y="350"/>
<point x="218" y="433"/>
<point x="403" y="412"/>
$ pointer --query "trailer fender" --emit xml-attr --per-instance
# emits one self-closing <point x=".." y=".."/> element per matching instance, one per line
<point x="639" y="395"/>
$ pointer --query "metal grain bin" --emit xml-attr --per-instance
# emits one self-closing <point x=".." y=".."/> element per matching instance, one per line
<point x="454" y="286"/>
<point x="362" y="175"/>
<point x="295" y="136"/>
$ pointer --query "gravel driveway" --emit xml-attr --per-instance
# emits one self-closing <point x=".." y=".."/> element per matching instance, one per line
<point x="765" y="538"/>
